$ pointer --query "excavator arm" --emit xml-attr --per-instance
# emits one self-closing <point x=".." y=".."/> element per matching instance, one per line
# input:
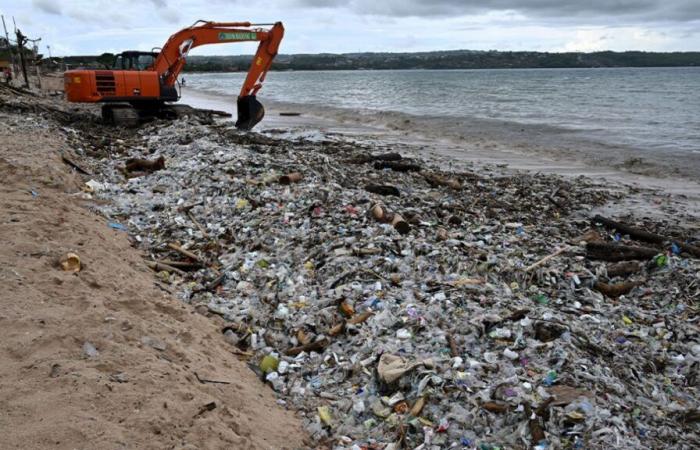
<point x="173" y="55"/>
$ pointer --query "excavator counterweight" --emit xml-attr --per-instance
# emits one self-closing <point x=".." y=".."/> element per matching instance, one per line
<point x="141" y="85"/>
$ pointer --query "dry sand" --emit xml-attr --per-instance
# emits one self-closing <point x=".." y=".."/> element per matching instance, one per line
<point x="140" y="390"/>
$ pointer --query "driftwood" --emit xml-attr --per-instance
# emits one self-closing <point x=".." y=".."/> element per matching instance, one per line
<point x="435" y="179"/>
<point x="615" y="252"/>
<point x="397" y="166"/>
<point x="183" y="265"/>
<point x="363" y="159"/>
<point x="160" y="267"/>
<point x="197" y="224"/>
<point x="291" y="178"/>
<point x="623" y="269"/>
<point x="547" y="258"/>
<point x="381" y="214"/>
<point x="316" y="346"/>
<point x="635" y="233"/>
<point x="644" y="236"/>
<point x="454" y="350"/>
<point x="74" y="165"/>
<point x="614" y="290"/>
<point x="213" y="112"/>
<point x="215" y="283"/>
<point x="144" y="165"/>
<point x="182" y="251"/>
<point x="382" y="189"/>
<point x="355" y="320"/>
<point x="496" y="407"/>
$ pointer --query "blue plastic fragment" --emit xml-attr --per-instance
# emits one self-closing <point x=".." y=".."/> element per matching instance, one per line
<point x="675" y="249"/>
<point x="117" y="226"/>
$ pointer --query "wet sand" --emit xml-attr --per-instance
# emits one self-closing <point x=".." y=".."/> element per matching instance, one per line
<point x="656" y="192"/>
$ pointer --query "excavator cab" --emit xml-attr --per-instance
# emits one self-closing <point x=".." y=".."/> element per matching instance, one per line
<point x="133" y="60"/>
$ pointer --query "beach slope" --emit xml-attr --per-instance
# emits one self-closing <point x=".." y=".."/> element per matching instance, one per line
<point x="103" y="358"/>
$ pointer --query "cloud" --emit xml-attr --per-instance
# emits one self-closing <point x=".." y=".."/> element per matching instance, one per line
<point x="638" y="10"/>
<point x="47" y="6"/>
<point x="169" y="15"/>
<point x="372" y="25"/>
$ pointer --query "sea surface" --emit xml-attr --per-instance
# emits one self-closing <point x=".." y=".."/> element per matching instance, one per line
<point x="651" y="109"/>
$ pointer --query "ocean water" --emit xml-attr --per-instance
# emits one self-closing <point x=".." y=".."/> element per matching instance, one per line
<point x="650" y="109"/>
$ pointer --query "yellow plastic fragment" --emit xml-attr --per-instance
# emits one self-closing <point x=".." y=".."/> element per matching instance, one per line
<point x="269" y="364"/>
<point x="426" y="422"/>
<point x="324" y="413"/>
<point x="627" y="320"/>
<point x="71" y="263"/>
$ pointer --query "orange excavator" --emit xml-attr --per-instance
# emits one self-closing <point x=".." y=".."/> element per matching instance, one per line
<point x="142" y="85"/>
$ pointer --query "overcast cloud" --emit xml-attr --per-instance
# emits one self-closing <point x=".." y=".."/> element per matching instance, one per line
<point x="608" y="10"/>
<point x="96" y="26"/>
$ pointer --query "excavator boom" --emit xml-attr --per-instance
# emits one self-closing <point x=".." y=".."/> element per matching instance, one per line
<point x="145" y="89"/>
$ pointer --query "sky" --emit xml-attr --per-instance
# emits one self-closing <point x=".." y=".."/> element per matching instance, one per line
<point x="73" y="27"/>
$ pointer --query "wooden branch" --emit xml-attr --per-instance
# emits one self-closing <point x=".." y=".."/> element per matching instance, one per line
<point x="183" y="265"/>
<point x="159" y="267"/>
<point x="435" y="179"/>
<point x="316" y="346"/>
<point x="382" y="189"/>
<point x="614" y="290"/>
<point x="144" y="165"/>
<point x="363" y="159"/>
<point x="547" y="258"/>
<point x="382" y="214"/>
<point x="397" y="166"/>
<point x="290" y="178"/>
<point x="182" y="251"/>
<point x="74" y="165"/>
<point x="615" y="252"/>
<point x="454" y="350"/>
<point x="623" y="269"/>
<point x="644" y="236"/>
<point x="197" y="224"/>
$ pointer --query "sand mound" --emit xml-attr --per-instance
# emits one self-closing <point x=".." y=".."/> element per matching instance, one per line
<point x="103" y="358"/>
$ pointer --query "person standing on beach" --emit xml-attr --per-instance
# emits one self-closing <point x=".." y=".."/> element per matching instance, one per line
<point x="8" y="75"/>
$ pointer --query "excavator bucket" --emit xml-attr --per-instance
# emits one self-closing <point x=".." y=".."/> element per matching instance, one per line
<point x="250" y="112"/>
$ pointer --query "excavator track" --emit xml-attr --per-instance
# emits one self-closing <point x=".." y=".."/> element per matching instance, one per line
<point x="121" y="115"/>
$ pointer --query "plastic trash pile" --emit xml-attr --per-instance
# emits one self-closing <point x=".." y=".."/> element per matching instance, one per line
<point x="453" y="331"/>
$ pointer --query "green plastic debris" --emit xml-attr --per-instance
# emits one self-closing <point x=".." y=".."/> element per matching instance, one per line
<point x="269" y="364"/>
<point x="661" y="260"/>
<point x="541" y="299"/>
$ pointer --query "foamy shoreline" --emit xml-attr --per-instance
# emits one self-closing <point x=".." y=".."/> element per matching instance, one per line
<point x="537" y="151"/>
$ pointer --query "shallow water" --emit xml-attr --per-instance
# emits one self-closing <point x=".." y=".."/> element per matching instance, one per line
<point x="648" y="109"/>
